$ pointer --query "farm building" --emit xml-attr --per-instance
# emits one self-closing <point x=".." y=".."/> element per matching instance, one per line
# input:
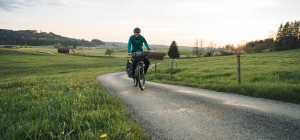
<point x="66" y="50"/>
<point x="157" y="56"/>
<point x="12" y="47"/>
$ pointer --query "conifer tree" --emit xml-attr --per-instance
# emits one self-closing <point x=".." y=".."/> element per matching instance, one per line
<point x="173" y="50"/>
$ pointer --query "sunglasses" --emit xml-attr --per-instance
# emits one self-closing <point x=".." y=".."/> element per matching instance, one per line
<point x="137" y="32"/>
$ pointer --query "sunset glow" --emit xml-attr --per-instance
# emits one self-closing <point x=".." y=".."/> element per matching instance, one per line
<point x="223" y="22"/>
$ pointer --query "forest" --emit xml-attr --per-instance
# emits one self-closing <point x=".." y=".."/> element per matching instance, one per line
<point x="286" y="38"/>
<point x="35" y="38"/>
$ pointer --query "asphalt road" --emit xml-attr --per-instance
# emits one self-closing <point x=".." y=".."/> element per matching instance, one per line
<point x="177" y="112"/>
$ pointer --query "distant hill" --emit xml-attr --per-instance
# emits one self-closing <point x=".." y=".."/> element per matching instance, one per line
<point x="35" y="38"/>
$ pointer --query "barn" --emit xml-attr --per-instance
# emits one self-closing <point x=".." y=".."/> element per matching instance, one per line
<point x="66" y="50"/>
<point x="157" y="56"/>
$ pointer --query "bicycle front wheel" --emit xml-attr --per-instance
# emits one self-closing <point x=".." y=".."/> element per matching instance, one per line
<point x="141" y="77"/>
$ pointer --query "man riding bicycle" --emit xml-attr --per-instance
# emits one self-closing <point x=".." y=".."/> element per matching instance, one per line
<point x="137" y="41"/>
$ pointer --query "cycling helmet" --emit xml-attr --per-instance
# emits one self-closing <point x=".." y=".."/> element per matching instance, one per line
<point x="137" y="29"/>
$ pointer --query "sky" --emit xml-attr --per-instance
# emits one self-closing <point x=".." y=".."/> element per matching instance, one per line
<point x="161" y="21"/>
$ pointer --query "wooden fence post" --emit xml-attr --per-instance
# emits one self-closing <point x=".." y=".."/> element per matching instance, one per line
<point x="171" y="68"/>
<point x="239" y="67"/>
<point x="155" y="68"/>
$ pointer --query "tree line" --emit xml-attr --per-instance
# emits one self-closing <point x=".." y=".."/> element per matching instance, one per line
<point x="34" y="38"/>
<point x="286" y="38"/>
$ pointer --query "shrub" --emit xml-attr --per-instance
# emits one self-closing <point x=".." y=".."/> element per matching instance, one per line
<point x="209" y="54"/>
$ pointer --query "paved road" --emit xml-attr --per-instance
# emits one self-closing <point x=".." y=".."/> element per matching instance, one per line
<point x="177" y="112"/>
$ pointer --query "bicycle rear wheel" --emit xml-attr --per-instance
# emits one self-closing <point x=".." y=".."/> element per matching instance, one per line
<point x="141" y="77"/>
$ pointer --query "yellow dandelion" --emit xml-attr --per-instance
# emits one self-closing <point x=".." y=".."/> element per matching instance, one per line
<point x="103" y="136"/>
<point x="80" y="121"/>
<point x="32" y="106"/>
<point x="60" y="92"/>
<point x="62" y="132"/>
<point x="5" y="102"/>
<point x="4" y="114"/>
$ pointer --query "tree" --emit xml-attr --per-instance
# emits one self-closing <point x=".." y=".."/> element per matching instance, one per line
<point x="279" y="37"/>
<point x="57" y="45"/>
<point x="173" y="50"/>
<point x="210" y="45"/>
<point x="288" y="36"/>
<point x="196" y="50"/>
<point x="109" y="51"/>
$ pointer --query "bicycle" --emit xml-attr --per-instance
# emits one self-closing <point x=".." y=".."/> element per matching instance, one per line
<point x="139" y="71"/>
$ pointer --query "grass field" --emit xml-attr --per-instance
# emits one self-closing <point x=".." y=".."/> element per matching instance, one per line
<point x="99" y="50"/>
<point x="274" y="75"/>
<point x="57" y="96"/>
<point x="45" y="96"/>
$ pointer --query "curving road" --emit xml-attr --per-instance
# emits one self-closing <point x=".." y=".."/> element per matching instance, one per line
<point x="177" y="112"/>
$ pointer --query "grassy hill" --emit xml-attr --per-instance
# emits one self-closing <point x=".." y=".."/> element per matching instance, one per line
<point x="46" y="96"/>
<point x="274" y="75"/>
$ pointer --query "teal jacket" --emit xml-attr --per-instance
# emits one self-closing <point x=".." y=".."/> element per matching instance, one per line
<point x="137" y="44"/>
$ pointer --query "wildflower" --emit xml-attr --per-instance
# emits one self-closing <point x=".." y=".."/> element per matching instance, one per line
<point x="5" y="102"/>
<point x="32" y="106"/>
<point x="103" y="136"/>
<point x="4" y="114"/>
<point x="60" y="92"/>
<point x="63" y="132"/>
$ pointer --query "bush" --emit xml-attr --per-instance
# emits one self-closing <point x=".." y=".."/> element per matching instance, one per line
<point x="57" y="45"/>
<point x="209" y="54"/>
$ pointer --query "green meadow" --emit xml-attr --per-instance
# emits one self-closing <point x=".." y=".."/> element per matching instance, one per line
<point x="46" y="96"/>
<point x="99" y="50"/>
<point x="56" y="96"/>
<point x="273" y="75"/>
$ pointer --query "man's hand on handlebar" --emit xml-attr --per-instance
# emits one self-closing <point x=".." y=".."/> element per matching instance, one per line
<point x="129" y="54"/>
<point x="148" y="51"/>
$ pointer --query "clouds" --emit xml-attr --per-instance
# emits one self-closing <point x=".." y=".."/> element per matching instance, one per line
<point x="19" y="5"/>
<point x="8" y="5"/>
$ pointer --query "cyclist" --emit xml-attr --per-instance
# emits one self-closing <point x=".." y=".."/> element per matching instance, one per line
<point x="137" y="41"/>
